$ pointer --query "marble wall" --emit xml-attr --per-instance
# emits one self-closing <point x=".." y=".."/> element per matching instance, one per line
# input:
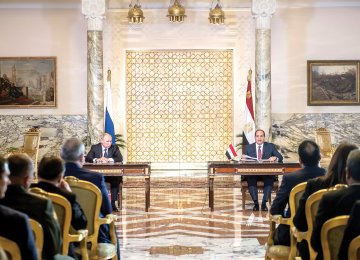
<point x="54" y="130"/>
<point x="288" y="130"/>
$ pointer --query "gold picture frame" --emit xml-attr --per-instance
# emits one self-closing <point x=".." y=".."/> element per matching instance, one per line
<point x="333" y="82"/>
<point x="27" y="82"/>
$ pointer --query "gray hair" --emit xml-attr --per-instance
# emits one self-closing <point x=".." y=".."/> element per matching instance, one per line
<point x="72" y="150"/>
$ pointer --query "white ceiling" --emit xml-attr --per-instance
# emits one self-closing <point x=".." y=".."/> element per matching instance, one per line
<point x="162" y="4"/>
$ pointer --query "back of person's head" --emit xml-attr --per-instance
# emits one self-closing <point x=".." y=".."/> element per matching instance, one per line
<point x="72" y="150"/>
<point x="336" y="173"/>
<point x="20" y="166"/>
<point x="353" y="165"/>
<point x="309" y="153"/>
<point x="51" y="168"/>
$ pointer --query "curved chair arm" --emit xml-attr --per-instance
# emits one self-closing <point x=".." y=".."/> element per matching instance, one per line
<point x="278" y="219"/>
<point x="299" y="235"/>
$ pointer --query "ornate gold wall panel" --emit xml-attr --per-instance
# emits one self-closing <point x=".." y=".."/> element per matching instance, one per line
<point x="179" y="105"/>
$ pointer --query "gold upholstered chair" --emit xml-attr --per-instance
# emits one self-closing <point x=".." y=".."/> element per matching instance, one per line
<point x="64" y="213"/>
<point x="280" y="251"/>
<point x="332" y="233"/>
<point x="354" y="249"/>
<point x="38" y="235"/>
<point x="323" y="139"/>
<point x="90" y="199"/>
<point x="11" y="249"/>
<point x="31" y="145"/>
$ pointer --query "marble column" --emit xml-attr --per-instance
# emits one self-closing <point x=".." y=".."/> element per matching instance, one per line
<point x="94" y="11"/>
<point x="262" y="11"/>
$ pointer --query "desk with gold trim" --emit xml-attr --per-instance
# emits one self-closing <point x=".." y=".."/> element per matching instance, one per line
<point x="223" y="168"/>
<point x="125" y="169"/>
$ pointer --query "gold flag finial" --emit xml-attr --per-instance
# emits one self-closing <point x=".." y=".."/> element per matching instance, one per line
<point x="109" y="75"/>
<point x="249" y="75"/>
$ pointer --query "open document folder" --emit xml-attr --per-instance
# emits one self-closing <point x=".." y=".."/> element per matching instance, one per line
<point x="247" y="158"/>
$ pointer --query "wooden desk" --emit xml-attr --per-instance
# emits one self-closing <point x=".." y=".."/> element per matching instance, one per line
<point x="223" y="168"/>
<point x="125" y="169"/>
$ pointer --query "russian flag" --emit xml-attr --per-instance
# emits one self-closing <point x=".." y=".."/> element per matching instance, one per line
<point x="230" y="152"/>
<point x="109" y="123"/>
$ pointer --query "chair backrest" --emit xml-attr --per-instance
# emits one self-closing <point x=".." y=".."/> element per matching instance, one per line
<point x="354" y="249"/>
<point x="38" y="235"/>
<point x="31" y="144"/>
<point x="64" y="214"/>
<point x="294" y="198"/>
<point x="323" y="139"/>
<point x="332" y="233"/>
<point x="11" y="248"/>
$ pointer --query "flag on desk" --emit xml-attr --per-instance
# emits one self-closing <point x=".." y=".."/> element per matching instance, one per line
<point x="230" y="152"/>
<point x="109" y="124"/>
<point x="249" y="128"/>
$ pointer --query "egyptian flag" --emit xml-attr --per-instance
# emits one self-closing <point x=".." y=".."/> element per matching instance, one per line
<point x="109" y="123"/>
<point x="249" y="128"/>
<point x="230" y="152"/>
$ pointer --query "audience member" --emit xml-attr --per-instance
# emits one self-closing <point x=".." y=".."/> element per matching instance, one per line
<point x="15" y="225"/>
<point x="261" y="150"/>
<point x="352" y="230"/>
<point x="38" y="208"/>
<point x="106" y="152"/>
<point x="339" y="202"/>
<point x="72" y="152"/>
<point x="309" y="158"/>
<point x="336" y="174"/>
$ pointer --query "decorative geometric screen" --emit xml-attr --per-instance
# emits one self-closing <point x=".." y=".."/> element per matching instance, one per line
<point x="179" y="105"/>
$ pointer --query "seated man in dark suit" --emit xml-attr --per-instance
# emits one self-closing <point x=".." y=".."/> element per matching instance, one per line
<point x="73" y="153"/>
<point x="107" y="152"/>
<point x="261" y="150"/>
<point x="38" y="208"/>
<point x="50" y="172"/>
<point x="15" y="225"/>
<point x="339" y="202"/>
<point x="309" y="158"/>
<point x="352" y="230"/>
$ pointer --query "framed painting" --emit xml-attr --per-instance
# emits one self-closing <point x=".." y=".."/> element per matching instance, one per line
<point x="27" y="82"/>
<point x="333" y="83"/>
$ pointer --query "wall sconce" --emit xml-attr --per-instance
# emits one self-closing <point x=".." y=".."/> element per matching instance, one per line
<point x="216" y="14"/>
<point x="176" y="12"/>
<point x="135" y="14"/>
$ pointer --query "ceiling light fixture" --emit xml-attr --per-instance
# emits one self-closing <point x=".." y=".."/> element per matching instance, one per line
<point x="216" y="14"/>
<point x="135" y="14"/>
<point x="176" y="12"/>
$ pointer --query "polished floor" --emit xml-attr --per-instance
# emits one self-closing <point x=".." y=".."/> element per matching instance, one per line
<point x="180" y="225"/>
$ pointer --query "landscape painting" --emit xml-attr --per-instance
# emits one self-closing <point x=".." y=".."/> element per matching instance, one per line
<point x="27" y="82"/>
<point x="333" y="83"/>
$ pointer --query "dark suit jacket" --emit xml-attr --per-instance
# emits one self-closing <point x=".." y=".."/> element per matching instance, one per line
<point x="333" y="204"/>
<point x="15" y="226"/>
<point x="268" y="150"/>
<point x="312" y="186"/>
<point x="39" y="209"/>
<point x="288" y="182"/>
<point x="73" y="169"/>
<point x="96" y="152"/>
<point x="78" y="218"/>
<point x="352" y="230"/>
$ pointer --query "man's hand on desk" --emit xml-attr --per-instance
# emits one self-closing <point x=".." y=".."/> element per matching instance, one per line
<point x="273" y="159"/>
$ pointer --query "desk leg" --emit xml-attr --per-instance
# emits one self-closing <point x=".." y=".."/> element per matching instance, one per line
<point x="147" y="194"/>
<point x="211" y="193"/>
<point x="120" y="195"/>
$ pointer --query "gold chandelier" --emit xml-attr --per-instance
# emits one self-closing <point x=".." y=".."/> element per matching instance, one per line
<point x="176" y="12"/>
<point x="216" y="14"/>
<point x="135" y="14"/>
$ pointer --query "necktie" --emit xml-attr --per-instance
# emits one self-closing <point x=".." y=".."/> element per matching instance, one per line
<point x="106" y="153"/>
<point x="259" y="153"/>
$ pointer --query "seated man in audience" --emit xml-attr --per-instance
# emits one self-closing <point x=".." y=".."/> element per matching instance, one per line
<point x="72" y="152"/>
<point x="50" y="173"/>
<point x="309" y="158"/>
<point x="261" y="150"/>
<point x="352" y="230"/>
<point x="106" y="152"/>
<point x="38" y="208"/>
<point x="15" y="225"/>
<point x="339" y="202"/>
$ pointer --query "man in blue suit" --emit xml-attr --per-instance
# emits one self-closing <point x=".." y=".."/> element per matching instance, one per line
<point x="73" y="153"/>
<point x="262" y="151"/>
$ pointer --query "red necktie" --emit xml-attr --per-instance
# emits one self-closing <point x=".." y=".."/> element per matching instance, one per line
<point x="259" y="153"/>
